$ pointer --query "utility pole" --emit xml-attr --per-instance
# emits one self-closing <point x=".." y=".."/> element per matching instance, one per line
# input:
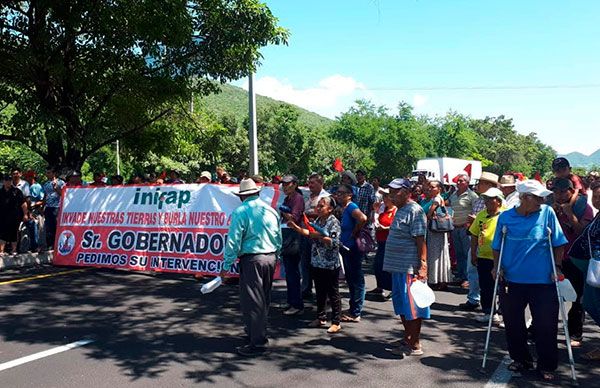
<point x="118" y="160"/>
<point x="252" y="134"/>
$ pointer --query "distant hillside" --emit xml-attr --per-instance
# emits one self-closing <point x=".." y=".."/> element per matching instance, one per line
<point x="234" y="101"/>
<point x="577" y="159"/>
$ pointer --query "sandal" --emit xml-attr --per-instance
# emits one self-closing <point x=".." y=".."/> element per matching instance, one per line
<point x="350" y="318"/>
<point x="519" y="367"/>
<point x="594" y="355"/>
<point x="318" y="323"/>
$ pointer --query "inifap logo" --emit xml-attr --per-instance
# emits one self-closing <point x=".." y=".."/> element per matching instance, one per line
<point x="159" y="198"/>
<point x="66" y="242"/>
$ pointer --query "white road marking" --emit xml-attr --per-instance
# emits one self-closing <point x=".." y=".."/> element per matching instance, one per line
<point x="45" y="353"/>
<point x="501" y="375"/>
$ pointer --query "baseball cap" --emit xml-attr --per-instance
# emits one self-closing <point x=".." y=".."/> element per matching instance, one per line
<point x="206" y="174"/>
<point x="493" y="193"/>
<point x="531" y="186"/>
<point x="562" y="184"/>
<point x="560" y="163"/>
<point x="401" y="183"/>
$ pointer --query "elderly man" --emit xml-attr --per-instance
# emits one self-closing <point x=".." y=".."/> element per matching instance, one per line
<point x="461" y="202"/>
<point x="406" y="259"/>
<point x="508" y="186"/>
<point x="255" y="238"/>
<point x="529" y="231"/>
<point x="487" y="181"/>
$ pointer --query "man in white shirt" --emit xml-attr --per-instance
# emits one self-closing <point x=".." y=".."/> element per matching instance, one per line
<point x="508" y="186"/>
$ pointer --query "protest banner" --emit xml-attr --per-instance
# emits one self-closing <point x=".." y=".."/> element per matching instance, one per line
<point x="169" y="228"/>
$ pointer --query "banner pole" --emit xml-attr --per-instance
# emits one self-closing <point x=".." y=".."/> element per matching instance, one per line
<point x="252" y="134"/>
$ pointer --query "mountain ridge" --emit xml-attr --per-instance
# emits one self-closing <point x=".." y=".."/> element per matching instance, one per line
<point x="578" y="159"/>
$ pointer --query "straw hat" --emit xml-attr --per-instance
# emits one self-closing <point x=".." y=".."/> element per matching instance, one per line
<point x="248" y="187"/>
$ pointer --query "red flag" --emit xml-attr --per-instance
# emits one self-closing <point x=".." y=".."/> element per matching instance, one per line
<point x="446" y="177"/>
<point x="455" y="179"/>
<point x="538" y="177"/>
<point x="337" y="165"/>
<point x="468" y="169"/>
<point x="307" y="223"/>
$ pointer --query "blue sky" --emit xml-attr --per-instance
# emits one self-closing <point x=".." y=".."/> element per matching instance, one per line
<point x="425" y="52"/>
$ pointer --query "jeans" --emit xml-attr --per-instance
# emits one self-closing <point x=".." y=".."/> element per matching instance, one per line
<point x="292" y="280"/>
<point x="50" y="221"/>
<point x="473" y="278"/>
<point x="384" y="279"/>
<point x="462" y="242"/>
<point x="355" y="278"/>
<point x="305" y="268"/>
<point x="486" y="283"/>
<point x="32" y="227"/>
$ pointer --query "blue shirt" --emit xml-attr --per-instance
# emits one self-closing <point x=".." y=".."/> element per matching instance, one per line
<point x="348" y="224"/>
<point x="526" y="255"/>
<point x="254" y="228"/>
<point x="53" y="197"/>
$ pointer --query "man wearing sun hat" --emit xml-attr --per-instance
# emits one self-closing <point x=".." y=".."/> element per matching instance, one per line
<point x="487" y="180"/>
<point x="255" y="238"/>
<point x="508" y="185"/>
<point x="527" y="277"/>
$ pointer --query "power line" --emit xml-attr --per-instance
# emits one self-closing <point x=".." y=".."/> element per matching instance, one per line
<point x="490" y="87"/>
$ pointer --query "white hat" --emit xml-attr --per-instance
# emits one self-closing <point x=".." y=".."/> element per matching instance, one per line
<point x="493" y="193"/>
<point x="384" y="190"/>
<point x="531" y="186"/>
<point x="248" y="187"/>
<point x="206" y="174"/>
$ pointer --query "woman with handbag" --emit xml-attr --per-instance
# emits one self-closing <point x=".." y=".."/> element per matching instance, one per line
<point x="438" y="250"/>
<point x="585" y="255"/>
<point x="352" y="221"/>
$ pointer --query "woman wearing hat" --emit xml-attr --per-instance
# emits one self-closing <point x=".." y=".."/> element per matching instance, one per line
<point x="527" y="273"/>
<point x="482" y="233"/>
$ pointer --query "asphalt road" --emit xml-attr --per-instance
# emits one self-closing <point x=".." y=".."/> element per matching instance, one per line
<point x="160" y="331"/>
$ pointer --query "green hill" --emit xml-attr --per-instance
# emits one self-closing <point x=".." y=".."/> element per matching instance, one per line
<point x="234" y="101"/>
<point x="577" y="159"/>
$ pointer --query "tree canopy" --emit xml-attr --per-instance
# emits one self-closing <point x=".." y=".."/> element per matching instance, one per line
<point x="77" y="75"/>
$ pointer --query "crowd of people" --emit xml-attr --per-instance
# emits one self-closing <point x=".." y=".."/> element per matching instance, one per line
<point x="459" y="234"/>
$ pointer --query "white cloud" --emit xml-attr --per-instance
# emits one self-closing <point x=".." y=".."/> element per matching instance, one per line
<point x="327" y="98"/>
<point x="418" y="101"/>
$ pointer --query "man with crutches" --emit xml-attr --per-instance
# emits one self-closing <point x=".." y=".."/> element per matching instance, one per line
<point x="527" y="271"/>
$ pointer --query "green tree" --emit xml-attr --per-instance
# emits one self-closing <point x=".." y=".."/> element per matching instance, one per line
<point x="78" y="75"/>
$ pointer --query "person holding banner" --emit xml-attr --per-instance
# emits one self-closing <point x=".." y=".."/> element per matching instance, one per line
<point x="255" y="238"/>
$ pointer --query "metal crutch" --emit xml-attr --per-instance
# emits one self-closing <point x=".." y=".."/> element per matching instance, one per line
<point x="563" y="313"/>
<point x="489" y="329"/>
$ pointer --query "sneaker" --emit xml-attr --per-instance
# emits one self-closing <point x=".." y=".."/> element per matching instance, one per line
<point x="468" y="306"/>
<point x="317" y="323"/>
<point x="293" y="311"/>
<point x="334" y="329"/>
<point x="375" y="291"/>
<point x="485" y="318"/>
<point x="251" y="351"/>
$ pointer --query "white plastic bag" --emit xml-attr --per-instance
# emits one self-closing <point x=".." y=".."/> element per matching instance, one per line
<point x="567" y="291"/>
<point x="212" y="285"/>
<point x="422" y="294"/>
